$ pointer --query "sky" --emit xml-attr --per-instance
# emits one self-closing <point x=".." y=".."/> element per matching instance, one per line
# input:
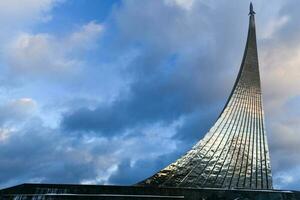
<point x="111" y="91"/>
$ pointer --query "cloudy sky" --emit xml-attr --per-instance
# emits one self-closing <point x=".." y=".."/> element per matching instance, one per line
<point x="108" y="92"/>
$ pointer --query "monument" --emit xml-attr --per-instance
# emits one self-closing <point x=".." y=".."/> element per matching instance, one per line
<point x="231" y="161"/>
<point x="234" y="153"/>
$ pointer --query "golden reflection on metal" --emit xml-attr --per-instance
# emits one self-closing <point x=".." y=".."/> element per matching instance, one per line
<point x="234" y="153"/>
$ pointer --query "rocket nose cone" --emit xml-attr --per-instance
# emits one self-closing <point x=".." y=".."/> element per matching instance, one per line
<point x="251" y="12"/>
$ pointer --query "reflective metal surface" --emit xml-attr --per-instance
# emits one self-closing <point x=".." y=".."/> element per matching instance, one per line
<point x="234" y="153"/>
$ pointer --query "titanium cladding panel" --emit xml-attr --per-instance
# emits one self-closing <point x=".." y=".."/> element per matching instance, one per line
<point x="234" y="153"/>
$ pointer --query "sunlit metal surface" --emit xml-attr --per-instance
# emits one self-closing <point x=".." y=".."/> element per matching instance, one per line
<point x="234" y="153"/>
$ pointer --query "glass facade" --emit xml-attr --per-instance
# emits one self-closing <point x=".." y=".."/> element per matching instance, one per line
<point x="234" y="153"/>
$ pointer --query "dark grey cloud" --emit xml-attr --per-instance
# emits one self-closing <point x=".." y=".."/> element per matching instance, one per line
<point x="131" y="173"/>
<point x="169" y="77"/>
<point x="196" y="125"/>
<point x="151" y="100"/>
<point x="38" y="154"/>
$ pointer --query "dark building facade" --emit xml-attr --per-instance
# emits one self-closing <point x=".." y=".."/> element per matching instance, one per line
<point x="234" y="153"/>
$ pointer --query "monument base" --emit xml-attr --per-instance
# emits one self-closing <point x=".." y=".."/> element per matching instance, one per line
<point x="66" y="191"/>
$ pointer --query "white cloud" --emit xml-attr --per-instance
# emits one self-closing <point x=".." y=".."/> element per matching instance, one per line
<point x="37" y="54"/>
<point x="17" y="16"/>
<point x="185" y="4"/>
<point x="280" y="73"/>
<point x="17" y="110"/>
<point x="25" y="105"/>
<point x="41" y="53"/>
<point x="86" y="35"/>
<point x="273" y="26"/>
<point x="281" y="85"/>
<point x="4" y="134"/>
<point x="26" y="11"/>
<point x="282" y="179"/>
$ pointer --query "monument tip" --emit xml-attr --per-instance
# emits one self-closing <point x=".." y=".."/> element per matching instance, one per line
<point x="251" y="9"/>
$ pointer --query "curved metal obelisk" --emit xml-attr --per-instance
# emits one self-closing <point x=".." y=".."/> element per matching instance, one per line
<point x="234" y="153"/>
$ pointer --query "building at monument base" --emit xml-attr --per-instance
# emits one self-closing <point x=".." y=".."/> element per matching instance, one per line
<point x="99" y="192"/>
